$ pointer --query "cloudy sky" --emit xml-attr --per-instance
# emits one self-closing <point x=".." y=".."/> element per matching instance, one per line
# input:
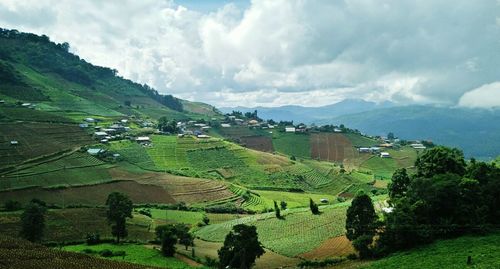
<point x="280" y="52"/>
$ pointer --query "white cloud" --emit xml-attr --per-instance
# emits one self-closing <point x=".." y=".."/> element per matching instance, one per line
<point x="281" y="51"/>
<point x="486" y="96"/>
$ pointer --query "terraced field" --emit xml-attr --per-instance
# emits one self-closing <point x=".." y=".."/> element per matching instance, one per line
<point x="36" y="140"/>
<point x="258" y="143"/>
<point x="70" y="169"/>
<point x="297" y="233"/>
<point x="334" y="247"/>
<point x="292" y="144"/>
<point x="90" y="195"/>
<point x="331" y="147"/>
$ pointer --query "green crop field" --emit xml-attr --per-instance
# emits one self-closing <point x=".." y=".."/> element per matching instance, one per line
<point x="358" y="140"/>
<point x="73" y="169"/>
<point x="137" y="254"/>
<point x="381" y="167"/>
<point x="298" y="232"/>
<point x="450" y="253"/>
<point x="187" y="217"/>
<point x="73" y="225"/>
<point x="292" y="144"/>
<point x="293" y="199"/>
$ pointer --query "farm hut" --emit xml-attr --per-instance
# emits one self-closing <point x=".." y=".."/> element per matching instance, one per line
<point x="26" y="104"/>
<point x="203" y="136"/>
<point x="253" y="122"/>
<point x="83" y="125"/>
<point x="197" y="132"/>
<point x="270" y="126"/>
<point x="418" y="146"/>
<point x="374" y="149"/>
<point x="364" y="150"/>
<point x="386" y="145"/>
<point x="385" y="155"/>
<point x="100" y="134"/>
<point x="180" y="135"/>
<point x="337" y="130"/>
<point x="94" y="151"/>
<point x="205" y="127"/>
<point x="225" y="125"/>
<point x="116" y="155"/>
<point x="200" y="124"/>
<point x="2" y="101"/>
<point x="14" y="143"/>
<point x="104" y="141"/>
<point x="290" y="129"/>
<point x="323" y="200"/>
<point x="90" y="120"/>
<point x="143" y="139"/>
<point x="124" y="121"/>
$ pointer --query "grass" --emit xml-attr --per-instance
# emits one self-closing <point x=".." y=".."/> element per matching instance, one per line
<point x="138" y="254"/>
<point x="298" y="232"/>
<point x="292" y="144"/>
<point x="447" y="254"/>
<point x="187" y="217"/>
<point x="69" y="225"/>
<point x="381" y="167"/>
<point x="293" y="199"/>
<point x="16" y="253"/>
<point x="358" y="140"/>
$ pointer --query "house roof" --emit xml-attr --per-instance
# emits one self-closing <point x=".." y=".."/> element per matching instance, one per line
<point x="142" y="138"/>
<point x="94" y="151"/>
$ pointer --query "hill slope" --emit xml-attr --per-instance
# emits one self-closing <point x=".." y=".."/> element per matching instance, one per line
<point x="475" y="131"/>
<point x="35" y="70"/>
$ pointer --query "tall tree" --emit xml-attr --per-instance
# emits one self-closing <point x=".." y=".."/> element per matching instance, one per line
<point x="168" y="242"/>
<point x="361" y="224"/>
<point x="241" y="248"/>
<point x="277" y="210"/>
<point x="313" y="206"/>
<point x="399" y="185"/>
<point x="440" y="160"/>
<point x="33" y="222"/>
<point x="119" y="209"/>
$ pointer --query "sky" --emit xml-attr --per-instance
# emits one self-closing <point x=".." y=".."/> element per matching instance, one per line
<point x="283" y="52"/>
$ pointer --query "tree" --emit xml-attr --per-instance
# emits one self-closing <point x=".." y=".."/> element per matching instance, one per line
<point x="33" y="222"/>
<point x="166" y="125"/>
<point x="119" y="209"/>
<point x="11" y="205"/>
<point x="283" y="205"/>
<point x="313" y="206"/>
<point x="390" y="136"/>
<point x="277" y="210"/>
<point x="127" y="103"/>
<point x="168" y="242"/>
<point x="361" y="224"/>
<point x="440" y="160"/>
<point x="399" y="185"/>
<point x="205" y="220"/>
<point x="241" y="248"/>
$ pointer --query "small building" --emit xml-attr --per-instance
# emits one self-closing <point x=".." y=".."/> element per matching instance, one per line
<point x="364" y="150"/>
<point x="14" y="142"/>
<point x="205" y="127"/>
<point x="124" y="121"/>
<point x="270" y="126"/>
<point x="232" y="117"/>
<point x="105" y="141"/>
<point x="418" y="146"/>
<point x="253" y="122"/>
<point x="386" y="145"/>
<point x="203" y="136"/>
<point x="225" y="125"/>
<point x="324" y="200"/>
<point x="337" y="130"/>
<point x="100" y="134"/>
<point x="180" y="135"/>
<point x="26" y="104"/>
<point x="385" y="155"/>
<point x="95" y="151"/>
<point x="2" y="101"/>
<point x="200" y="124"/>
<point x="116" y="155"/>
<point x="290" y="129"/>
<point x="89" y="120"/>
<point x="143" y="139"/>
<point x="374" y="149"/>
<point x="83" y="125"/>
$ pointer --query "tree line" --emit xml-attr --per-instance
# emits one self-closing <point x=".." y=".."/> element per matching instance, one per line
<point x="445" y="198"/>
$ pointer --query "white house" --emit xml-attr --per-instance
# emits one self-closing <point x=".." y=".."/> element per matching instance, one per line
<point x="337" y="130"/>
<point x="89" y="119"/>
<point x="14" y="142"/>
<point x="94" y="151"/>
<point x="203" y="136"/>
<point x="385" y="155"/>
<point x="100" y="134"/>
<point x="225" y="125"/>
<point x="290" y="129"/>
<point x="364" y="150"/>
<point x="143" y="139"/>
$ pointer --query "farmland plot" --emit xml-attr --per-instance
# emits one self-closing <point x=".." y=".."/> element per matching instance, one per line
<point x="331" y="147"/>
<point x="37" y="139"/>
<point x="299" y="232"/>
<point x="260" y="143"/>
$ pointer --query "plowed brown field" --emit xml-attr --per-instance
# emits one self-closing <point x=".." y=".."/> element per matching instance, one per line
<point x="333" y="247"/>
<point x="331" y="147"/>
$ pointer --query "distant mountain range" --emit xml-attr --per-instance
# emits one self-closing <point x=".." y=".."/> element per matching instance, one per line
<point x="300" y="114"/>
<point x="475" y="131"/>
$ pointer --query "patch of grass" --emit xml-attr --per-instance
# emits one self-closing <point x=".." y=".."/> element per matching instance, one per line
<point x="298" y="232"/>
<point x="138" y="254"/>
<point x="381" y="167"/>
<point x="292" y="144"/>
<point x="358" y="140"/>
<point x="447" y="254"/>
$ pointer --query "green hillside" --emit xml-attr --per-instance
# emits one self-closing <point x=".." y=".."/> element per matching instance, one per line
<point x="451" y="253"/>
<point x="54" y="80"/>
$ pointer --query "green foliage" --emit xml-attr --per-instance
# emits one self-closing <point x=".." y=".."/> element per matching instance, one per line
<point x="399" y="184"/>
<point x="33" y="222"/>
<point x="168" y="242"/>
<point x="283" y="205"/>
<point x="11" y="205"/>
<point x="361" y="224"/>
<point x="440" y="160"/>
<point x="313" y="207"/>
<point x="166" y="125"/>
<point x="119" y="209"/>
<point x="241" y="248"/>
<point x="93" y="238"/>
<point x="277" y="210"/>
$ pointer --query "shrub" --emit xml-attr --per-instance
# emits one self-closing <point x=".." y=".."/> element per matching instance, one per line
<point x="106" y="253"/>
<point x="12" y="205"/>
<point x="93" y="238"/>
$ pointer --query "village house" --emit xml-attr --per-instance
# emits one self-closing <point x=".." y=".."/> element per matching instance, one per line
<point x="100" y="134"/>
<point x="143" y="139"/>
<point x="14" y="142"/>
<point x="202" y="136"/>
<point x="225" y="125"/>
<point x="385" y="155"/>
<point x="418" y="146"/>
<point x="91" y="120"/>
<point x="290" y="129"/>
<point x="83" y="125"/>
<point x="337" y="130"/>
<point x="95" y="151"/>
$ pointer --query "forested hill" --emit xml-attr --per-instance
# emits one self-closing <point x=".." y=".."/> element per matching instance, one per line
<point x="36" y="70"/>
